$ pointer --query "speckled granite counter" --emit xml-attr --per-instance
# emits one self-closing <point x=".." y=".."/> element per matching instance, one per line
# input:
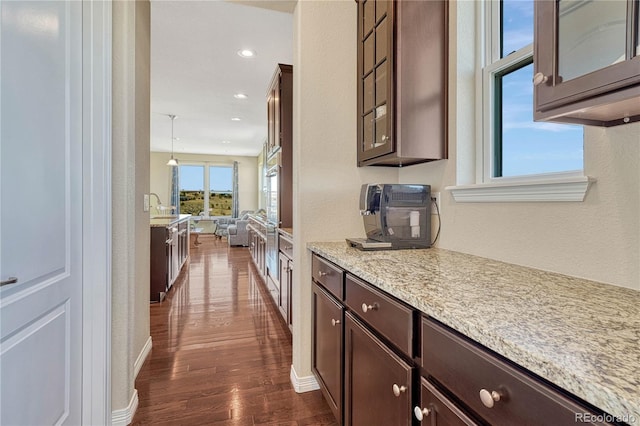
<point x="164" y="221"/>
<point x="581" y="335"/>
<point x="286" y="231"/>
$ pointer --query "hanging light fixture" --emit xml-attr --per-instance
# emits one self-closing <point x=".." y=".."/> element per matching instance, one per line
<point x="172" y="162"/>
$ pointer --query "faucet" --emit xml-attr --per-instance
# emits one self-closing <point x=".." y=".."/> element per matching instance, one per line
<point x="159" y="203"/>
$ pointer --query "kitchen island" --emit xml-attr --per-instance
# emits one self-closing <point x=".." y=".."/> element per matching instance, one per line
<point x="579" y="335"/>
<point x="169" y="252"/>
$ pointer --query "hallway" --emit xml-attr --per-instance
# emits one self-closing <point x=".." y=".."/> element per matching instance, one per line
<point x="221" y="354"/>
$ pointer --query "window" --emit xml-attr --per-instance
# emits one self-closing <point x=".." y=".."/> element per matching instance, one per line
<point x="191" y="189"/>
<point x="514" y="144"/>
<point x="218" y="195"/>
<point x="220" y="190"/>
<point x="517" y="159"/>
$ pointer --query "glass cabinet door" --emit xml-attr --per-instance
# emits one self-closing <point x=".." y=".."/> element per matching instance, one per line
<point x="375" y="29"/>
<point x="587" y="61"/>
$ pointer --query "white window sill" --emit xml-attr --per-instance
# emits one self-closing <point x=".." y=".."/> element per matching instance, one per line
<point x="545" y="190"/>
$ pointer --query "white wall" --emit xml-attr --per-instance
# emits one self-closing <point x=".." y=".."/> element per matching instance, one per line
<point x="130" y="180"/>
<point x="598" y="239"/>
<point x="326" y="180"/>
<point x="248" y="193"/>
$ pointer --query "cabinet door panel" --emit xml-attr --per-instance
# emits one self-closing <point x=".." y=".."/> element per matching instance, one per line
<point x="437" y="410"/>
<point x="371" y="371"/>
<point x="382" y="41"/>
<point x="368" y="57"/>
<point x="328" y="341"/>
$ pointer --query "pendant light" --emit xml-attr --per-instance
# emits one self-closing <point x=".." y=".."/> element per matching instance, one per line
<point x="172" y="162"/>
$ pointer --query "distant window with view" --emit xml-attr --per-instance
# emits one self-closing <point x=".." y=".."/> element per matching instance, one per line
<point x="202" y="185"/>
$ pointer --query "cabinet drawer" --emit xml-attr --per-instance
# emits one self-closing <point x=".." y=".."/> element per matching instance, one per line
<point x="328" y="275"/>
<point x="389" y="317"/>
<point x="286" y="246"/>
<point x="477" y="378"/>
<point x="437" y="410"/>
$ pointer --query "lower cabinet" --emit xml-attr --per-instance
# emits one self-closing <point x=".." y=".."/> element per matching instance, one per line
<point x="436" y="409"/>
<point x="378" y="388"/>
<point x="286" y="278"/>
<point x="367" y="365"/>
<point x="328" y="347"/>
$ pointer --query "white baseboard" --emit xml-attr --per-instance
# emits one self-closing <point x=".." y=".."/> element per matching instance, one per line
<point x="124" y="416"/>
<point x="303" y="384"/>
<point x="142" y="356"/>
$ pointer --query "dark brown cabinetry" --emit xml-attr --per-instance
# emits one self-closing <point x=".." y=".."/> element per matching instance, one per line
<point x="280" y="145"/>
<point x="402" y="86"/>
<point x="368" y="347"/>
<point x="437" y="410"/>
<point x="497" y="391"/>
<point x="328" y="346"/>
<point x="285" y="262"/>
<point x="587" y="62"/>
<point x="169" y="251"/>
<point x="378" y="383"/>
<point x="257" y="229"/>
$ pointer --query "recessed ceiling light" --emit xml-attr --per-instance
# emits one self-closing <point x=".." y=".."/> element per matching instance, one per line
<point x="246" y="53"/>
<point x="226" y="142"/>
<point x="236" y="119"/>
<point x="240" y="96"/>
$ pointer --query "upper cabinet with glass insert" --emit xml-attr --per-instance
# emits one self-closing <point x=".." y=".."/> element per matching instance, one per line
<point x="402" y="69"/>
<point x="587" y="61"/>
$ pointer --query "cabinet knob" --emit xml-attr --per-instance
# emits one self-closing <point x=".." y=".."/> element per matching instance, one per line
<point x="322" y="274"/>
<point x="397" y="390"/>
<point x="539" y="78"/>
<point x="421" y="413"/>
<point x="489" y="398"/>
<point x="366" y="308"/>
<point x="335" y="322"/>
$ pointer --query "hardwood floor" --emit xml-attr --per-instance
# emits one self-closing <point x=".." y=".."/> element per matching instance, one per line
<point x="221" y="355"/>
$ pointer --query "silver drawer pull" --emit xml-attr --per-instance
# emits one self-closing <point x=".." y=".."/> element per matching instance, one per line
<point x="335" y="322"/>
<point x="397" y="390"/>
<point x="421" y="413"/>
<point x="322" y="274"/>
<point x="489" y="398"/>
<point x="366" y="308"/>
<point x="10" y="280"/>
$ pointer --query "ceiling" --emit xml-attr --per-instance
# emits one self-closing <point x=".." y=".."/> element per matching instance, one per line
<point x="196" y="70"/>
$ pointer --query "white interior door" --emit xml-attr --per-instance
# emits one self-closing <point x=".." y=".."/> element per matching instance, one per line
<point x="41" y="212"/>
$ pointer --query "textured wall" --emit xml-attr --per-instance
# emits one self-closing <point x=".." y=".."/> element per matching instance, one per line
<point x="130" y="169"/>
<point x="597" y="239"/>
<point x="326" y="179"/>
<point x="247" y="176"/>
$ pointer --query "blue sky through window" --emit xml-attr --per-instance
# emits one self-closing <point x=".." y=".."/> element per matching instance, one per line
<point x="191" y="178"/>
<point x="530" y="147"/>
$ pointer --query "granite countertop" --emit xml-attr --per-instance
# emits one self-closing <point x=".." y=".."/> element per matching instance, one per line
<point x="288" y="232"/>
<point x="581" y="335"/>
<point x="164" y="221"/>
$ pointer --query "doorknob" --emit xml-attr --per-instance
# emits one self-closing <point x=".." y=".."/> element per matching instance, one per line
<point x="10" y="280"/>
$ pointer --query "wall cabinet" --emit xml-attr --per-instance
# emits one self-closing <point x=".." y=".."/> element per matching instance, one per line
<point x="402" y="86"/>
<point x="587" y="62"/>
<point x="368" y="348"/>
<point x="280" y="144"/>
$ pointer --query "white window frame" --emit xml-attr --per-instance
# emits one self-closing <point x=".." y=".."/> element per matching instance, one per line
<point x="560" y="186"/>
<point x="206" y="177"/>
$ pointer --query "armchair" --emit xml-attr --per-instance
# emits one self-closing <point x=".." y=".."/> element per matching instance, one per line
<point x="238" y="234"/>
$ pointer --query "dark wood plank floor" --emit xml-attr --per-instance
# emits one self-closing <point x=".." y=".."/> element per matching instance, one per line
<point x="220" y="353"/>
